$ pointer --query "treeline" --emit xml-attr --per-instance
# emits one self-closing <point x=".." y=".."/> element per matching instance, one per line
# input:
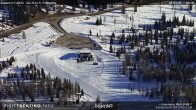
<point x="163" y="23"/>
<point x="185" y="54"/>
<point x="6" y="64"/>
<point x="166" y="39"/>
<point x="18" y="14"/>
<point x="34" y="83"/>
<point x="176" y="79"/>
<point x="178" y="93"/>
<point x="98" y="21"/>
<point x="96" y="4"/>
<point x="131" y="40"/>
<point x="178" y="72"/>
<point x="30" y="72"/>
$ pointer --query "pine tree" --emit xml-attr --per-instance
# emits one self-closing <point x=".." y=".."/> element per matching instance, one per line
<point x="124" y="49"/>
<point x="118" y="53"/>
<point x="22" y="90"/>
<point x="176" y="94"/>
<point x="156" y="24"/>
<point x="111" y="49"/>
<point x="131" y="75"/>
<point x="97" y="22"/>
<point x="113" y="35"/>
<point x="163" y="18"/>
<point x="138" y="56"/>
<point x="156" y="36"/>
<point x="100" y="21"/>
<point x="122" y="39"/>
<point x="124" y="67"/>
<point x="135" y="8"/>
<point x="90" y="32"/>
<point x="128" y="59"/>
<point x="162" y="89"/>
<point x="183" y="20"/>
<point x="83" y="4"/>
<point x="129" y="87"/>
<point x="190" y="6"/>
<point x="123" y="9"/>
<point x="82" y="92"/>
<point x="98" y="99"/>
<point x="181" y="77"/>
<point x="123" y="31"/>
<point x="97" y="35"/>
<point x="152" y="93"/>
<point x="51" y="98"/>
<point x="73" y="7"/>
<point x="32" y="93"/>
<point x="111" y="40"/>
<point x="171" y="33"/>
<point x="146" y="38"/>
<point x="43" y="73"/>
<point x="192" y="36"/>
<point x="168" y="92"/>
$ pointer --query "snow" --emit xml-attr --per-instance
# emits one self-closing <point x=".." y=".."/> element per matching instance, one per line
<point x="38" y="34"/>
<point x="85" y="51"/>
<point x="109" y="79"/>
<point x="140" y="18"/>
<point x="26" y="52"/>
<point x="77" y="10"/>
<point x="3" y="13"/>
<point x="50" y="10"/>
<point x="69" y="9"/>
<point x="103" y="79"/>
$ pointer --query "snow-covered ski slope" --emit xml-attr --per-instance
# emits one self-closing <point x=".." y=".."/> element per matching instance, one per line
<point x="115" y="22"/>
<point x="38" y="34"/>
<point x="102" y="79"/>
<point x="145" y="15"/>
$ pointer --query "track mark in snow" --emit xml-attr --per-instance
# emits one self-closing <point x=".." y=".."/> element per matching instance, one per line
<point x="32" y="45"/>
<point x="12" y="51"/>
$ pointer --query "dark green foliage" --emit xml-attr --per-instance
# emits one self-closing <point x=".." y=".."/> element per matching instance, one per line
<point x="113" y="35"/>
<point x="118" y="53"/>
<point x="98" y="21"/>
<point x="111" y="49"/>
<point x="90" y="33"/>
<point x="135" y="8"/>
<point x="122" y="39"/>
<point x="123" y="9"/>
<point x="98" y="99"/>
<point x="183" y="20"/>
<point x="138" y="56"/>
<point x="82" y="92"/>
<point x="111" y="40"/>
<point x="131" y="78"/>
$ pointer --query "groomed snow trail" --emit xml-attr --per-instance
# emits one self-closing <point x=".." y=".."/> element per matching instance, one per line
<point x="46" y="60"/>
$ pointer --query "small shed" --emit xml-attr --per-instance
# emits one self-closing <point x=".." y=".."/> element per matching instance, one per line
<point x="84" y="55"/>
